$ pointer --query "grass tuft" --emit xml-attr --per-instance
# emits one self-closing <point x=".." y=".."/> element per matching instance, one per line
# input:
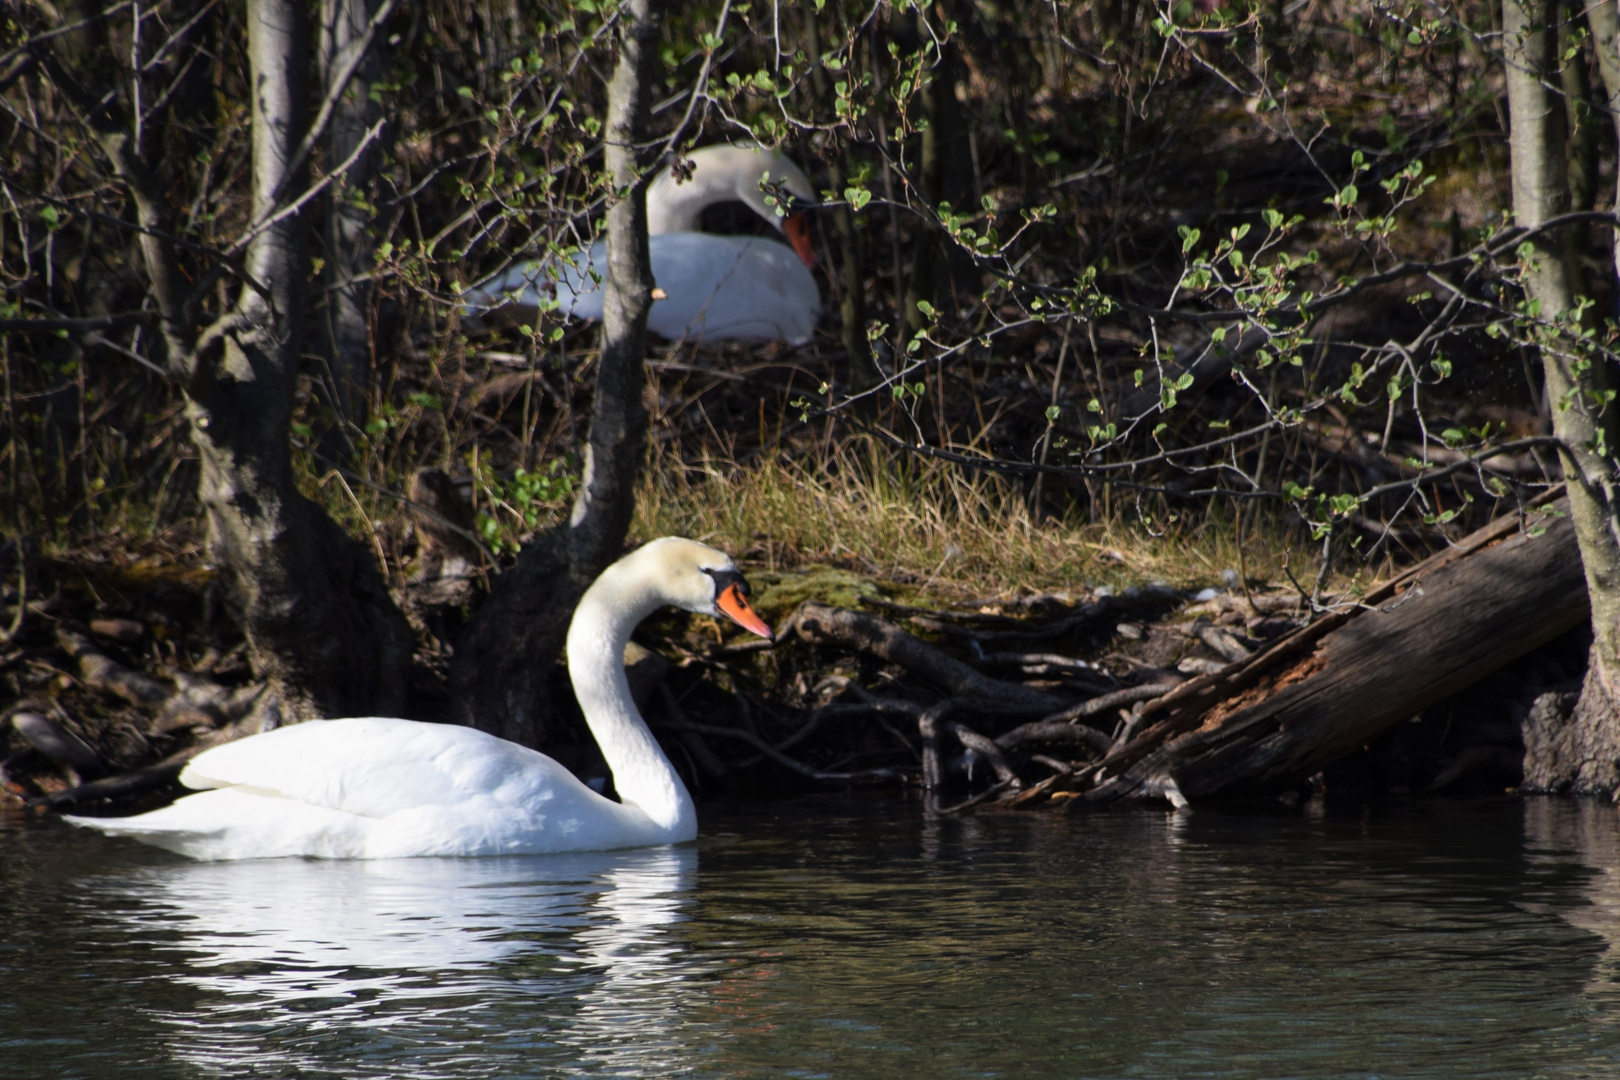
<point x="949" y="533"/>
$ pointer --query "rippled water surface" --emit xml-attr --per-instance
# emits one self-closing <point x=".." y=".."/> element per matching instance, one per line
<point x="844" y="937"/>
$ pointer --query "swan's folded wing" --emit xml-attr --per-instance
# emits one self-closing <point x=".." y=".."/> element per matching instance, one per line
<point x="376" y="766"/>
<point x="574" y="281"/>
<point x="732" y="288"/>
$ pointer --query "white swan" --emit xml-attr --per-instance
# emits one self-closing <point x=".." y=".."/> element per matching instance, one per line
<point x="713" y="288"/>
<point x="372" y="787"/>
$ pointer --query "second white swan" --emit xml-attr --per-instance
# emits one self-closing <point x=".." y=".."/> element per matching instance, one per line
<point x="714" y="287"/>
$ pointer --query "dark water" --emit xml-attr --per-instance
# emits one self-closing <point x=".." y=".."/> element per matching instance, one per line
<point x="841" y="938"/>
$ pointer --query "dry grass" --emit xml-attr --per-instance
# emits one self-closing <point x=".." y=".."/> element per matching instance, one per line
<point x="936" y="530"/>
<point x="950" y="533"/>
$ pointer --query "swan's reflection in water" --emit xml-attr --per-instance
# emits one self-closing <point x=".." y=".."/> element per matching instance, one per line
<point x="420" y="962"/>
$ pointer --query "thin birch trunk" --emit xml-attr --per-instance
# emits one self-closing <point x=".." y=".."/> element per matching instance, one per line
<point x="349" y="249"/>
<point x="602" y="511"/>
<point x="501" y="678"/>
<point x="1576" y="390"/>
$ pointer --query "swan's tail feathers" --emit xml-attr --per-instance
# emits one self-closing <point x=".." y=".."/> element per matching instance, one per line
<point x="520" y="286"/>
<point x="240" y="823"/>
<point x="173" y="836"/>
<point x="521" y="292"/>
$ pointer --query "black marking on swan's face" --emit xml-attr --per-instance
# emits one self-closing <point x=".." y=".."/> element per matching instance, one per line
<point x="726" y="578"/>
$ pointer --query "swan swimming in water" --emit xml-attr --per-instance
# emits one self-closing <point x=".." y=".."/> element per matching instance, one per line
<point x="375" y="788"/>
<point x="715" y="288"/>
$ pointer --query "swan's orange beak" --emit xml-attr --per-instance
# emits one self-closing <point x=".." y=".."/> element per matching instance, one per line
<point x="734" y="606"/>
<point x="797" y="228"/>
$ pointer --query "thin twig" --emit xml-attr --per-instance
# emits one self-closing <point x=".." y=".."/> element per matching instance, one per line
<point x="11" y="632"/>
<point x="988" y="793"/>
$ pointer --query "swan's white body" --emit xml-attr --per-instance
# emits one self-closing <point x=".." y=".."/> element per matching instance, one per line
<point x="374" y="788"/>
<point x="715" y="288"/>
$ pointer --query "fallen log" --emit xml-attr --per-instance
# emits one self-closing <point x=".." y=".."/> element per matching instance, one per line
<point x="1263" y="725"/>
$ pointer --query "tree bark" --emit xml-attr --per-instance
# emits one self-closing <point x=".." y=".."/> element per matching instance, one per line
<point x="1577" y="387"/>
<point x="349" y="249"/>
<point x="501" y="678"/>
<point x="607" y="491"/>
<point x="321" y="628"/>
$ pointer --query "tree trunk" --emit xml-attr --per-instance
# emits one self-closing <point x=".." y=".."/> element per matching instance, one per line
<point x="607" y="491"/>
<point x="311" y="601"/>
<point x="321" y="628"/>
<point x="1577" y="388"/>
<point x="350" y="253"/>
<point x="1579" y="119"/>
<point x="945" y="126"/>
<point x="500" y="682"/>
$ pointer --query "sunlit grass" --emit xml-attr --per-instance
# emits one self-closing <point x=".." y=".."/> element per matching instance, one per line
<point x="937" y="529"/>
<point x="947" y="531"/>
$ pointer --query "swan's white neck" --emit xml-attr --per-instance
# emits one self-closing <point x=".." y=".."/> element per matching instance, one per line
<point x="611" y="608"/>
<point x="720" y="173"/>
<point x="679" y="208"/>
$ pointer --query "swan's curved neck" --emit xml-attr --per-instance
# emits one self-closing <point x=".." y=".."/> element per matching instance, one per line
<point x="643" y="775"/>
<point x="679" y="208"/>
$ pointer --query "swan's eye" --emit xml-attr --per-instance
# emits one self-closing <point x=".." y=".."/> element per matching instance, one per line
<point x="724" y="579"/>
